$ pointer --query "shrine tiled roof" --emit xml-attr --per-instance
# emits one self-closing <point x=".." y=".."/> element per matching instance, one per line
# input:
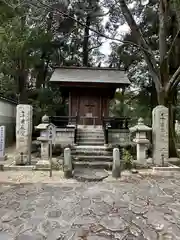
<point x="89" y="75"/>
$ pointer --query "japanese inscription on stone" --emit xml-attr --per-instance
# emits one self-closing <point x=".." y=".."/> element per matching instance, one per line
<point x="2" y="141"/>
<point x="23" y="126"/>
<point x="160" y="134"/>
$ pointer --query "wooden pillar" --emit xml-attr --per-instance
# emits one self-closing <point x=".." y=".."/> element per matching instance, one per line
<point x="70" y="104"/>
<point x="77" y="104"/>
<point x="100" y="109"/>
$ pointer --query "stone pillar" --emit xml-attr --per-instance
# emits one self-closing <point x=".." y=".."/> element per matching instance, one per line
<point x="141" y="153"/>
<point x="116" y="169"/>
<point x="160" y="130"/>
<point x="44" y="150"/>
<point x="44" y="163"/>
<point x="2" y="142"/>
<point x="67" y="163"/>
<point x="24" y="130"/>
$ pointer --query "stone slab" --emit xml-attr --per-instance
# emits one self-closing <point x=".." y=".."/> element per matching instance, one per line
<point x="85" y="174"/>
<point x="160" y="135"/>
<point x="170" y="168"/>
<point x="18" y="168"/>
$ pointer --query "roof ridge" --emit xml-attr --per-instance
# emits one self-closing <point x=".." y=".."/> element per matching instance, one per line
<point x="89" y="68"/>
<point x="85" y="75"/>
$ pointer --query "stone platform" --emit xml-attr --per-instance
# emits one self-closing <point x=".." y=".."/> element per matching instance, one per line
<point x="133" y="208"/>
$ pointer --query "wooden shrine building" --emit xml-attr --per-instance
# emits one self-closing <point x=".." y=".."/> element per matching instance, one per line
<point x="89" y="91"/>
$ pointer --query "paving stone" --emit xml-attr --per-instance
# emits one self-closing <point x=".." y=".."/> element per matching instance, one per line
<point x="100" y="208"/>
<point x="150" y="234"/>
<point x="48" y="226"/>
<point x="114" y="223"/>
<point x="157" y="220"/>
<point x="9" y="216"/>
<point x="24" y="237"/>
<point x="90" y="174"/>
<point x="135" y="231"/>
<point x="56" y="213"/>
<point x="16" y="222"/>
<point x="55" y="234"/>
<point x="84" y="220"/>
<point x="139" y="210"/>
<point x="132" y="209"/>
<point x="98" y="238"/>
<point x="5" y="236"/>
<point x="26" y="215"/>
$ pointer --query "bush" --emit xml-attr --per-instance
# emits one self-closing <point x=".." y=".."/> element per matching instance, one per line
<point x="127" y="159"/>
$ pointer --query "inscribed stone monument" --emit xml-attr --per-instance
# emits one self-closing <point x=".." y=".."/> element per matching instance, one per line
<point x="160" y="132"/>
<point x="2" y="142"/>
<point x="24" y="128"/>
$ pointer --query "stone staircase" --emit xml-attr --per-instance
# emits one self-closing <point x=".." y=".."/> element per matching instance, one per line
<point x="90" y="151"/>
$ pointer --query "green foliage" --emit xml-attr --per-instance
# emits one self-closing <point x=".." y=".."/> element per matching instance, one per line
<point x="127" y="159"/>
<point x="34" y="36"/>
<point x="43" y="103"/>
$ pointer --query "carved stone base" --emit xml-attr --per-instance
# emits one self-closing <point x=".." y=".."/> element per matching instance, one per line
<point x="21" y="159"/>
<point x="42" y="164"/>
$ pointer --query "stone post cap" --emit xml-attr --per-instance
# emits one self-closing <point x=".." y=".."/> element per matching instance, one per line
<point x="45" y="119"/>
<point x="140" y="127"/>
<point x="42" y="126"/>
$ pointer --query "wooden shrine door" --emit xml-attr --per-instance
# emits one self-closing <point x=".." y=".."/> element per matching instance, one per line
<point x="89" y="110"/>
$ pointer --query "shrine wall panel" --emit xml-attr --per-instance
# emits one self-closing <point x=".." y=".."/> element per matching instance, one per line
<point x="8" y="119"/>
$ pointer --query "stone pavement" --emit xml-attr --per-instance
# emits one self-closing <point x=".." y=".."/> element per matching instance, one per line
<point x="134" y="207"/>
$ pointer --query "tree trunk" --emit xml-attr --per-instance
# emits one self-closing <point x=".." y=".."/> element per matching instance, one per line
<point x="42" y="71"/>
<point x="154" y="100"/>
<point x="169" y="103"/>
<point x="23" y="99"/>
<point x="172" y="138"/>
<point x="42" y="67"/>
<point x="21" y="79"/>
<point x="86" y="42"/>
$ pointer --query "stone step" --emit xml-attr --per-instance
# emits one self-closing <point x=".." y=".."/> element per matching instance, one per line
<point x="92" y="147"/>
<point x="93" y="158"/>
<point x="96" y="164"/>
<point x="89" y="143"/>
<point x="90" y="135"/>
<point x="84" y="138"/>
<point x="90" y="129"/>
<point x="91" y="152"/>
<point x="81" y="153"/>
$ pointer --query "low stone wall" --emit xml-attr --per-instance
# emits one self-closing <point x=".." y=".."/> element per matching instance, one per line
<point x="65" y="136"/>
<point x="8" y="119"/>
<point x="119" y="137"/>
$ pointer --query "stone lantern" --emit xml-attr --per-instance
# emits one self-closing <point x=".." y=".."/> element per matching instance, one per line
<point x="141" y="139"/>
<point x="44" y="139"/>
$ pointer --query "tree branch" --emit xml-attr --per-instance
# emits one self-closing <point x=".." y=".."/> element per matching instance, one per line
<point x="163" y="21"/>
<point x="173" y="82"/>
<point x="97" y="46"/>
<point x="92" y="29"/>
<point x="146" y="50"/>
<point x="173" y="43"/>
